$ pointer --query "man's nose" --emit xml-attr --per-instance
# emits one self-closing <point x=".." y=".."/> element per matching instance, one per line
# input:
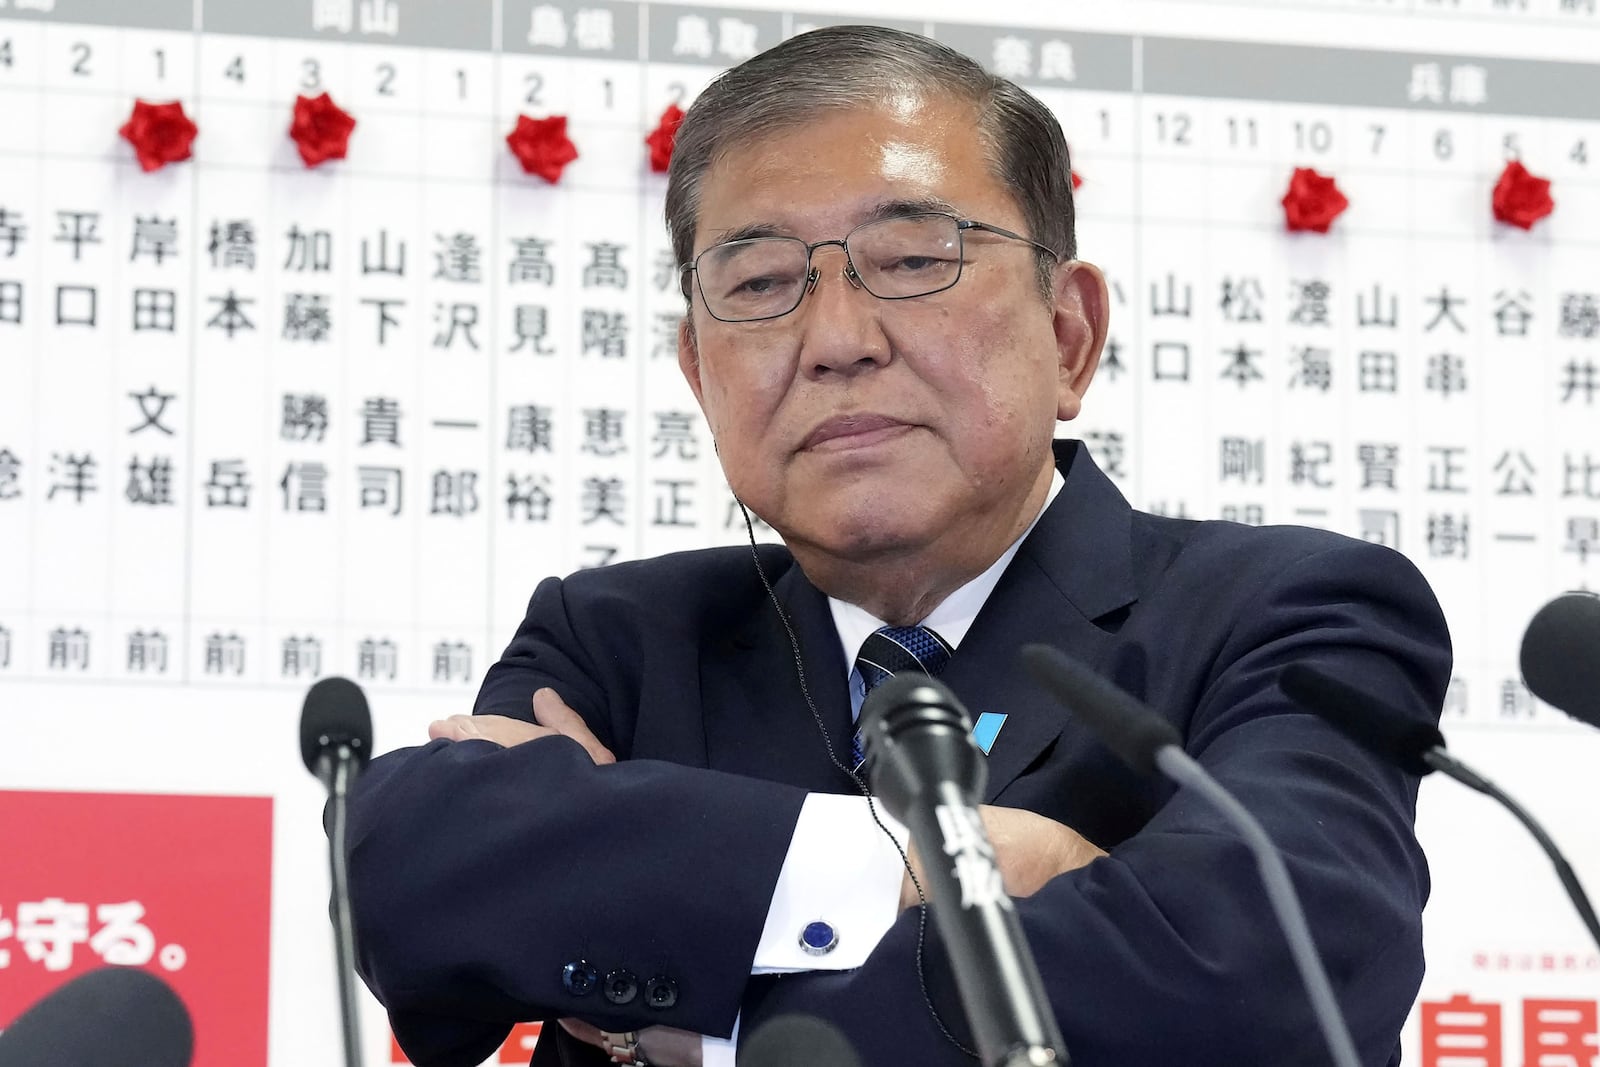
<point x="841" y="330"/>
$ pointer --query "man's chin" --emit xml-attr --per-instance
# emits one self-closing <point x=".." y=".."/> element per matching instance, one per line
<point x="848" y="536"/>
<point x="860" y="515"/>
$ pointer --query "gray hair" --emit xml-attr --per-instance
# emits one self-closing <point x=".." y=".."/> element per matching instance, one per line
<point x="841" y="67"/>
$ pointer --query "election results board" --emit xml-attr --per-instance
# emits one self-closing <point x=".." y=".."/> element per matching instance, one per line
<point x="262" y="422"/>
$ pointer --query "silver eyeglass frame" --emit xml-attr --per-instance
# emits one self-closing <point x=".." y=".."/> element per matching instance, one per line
<point x="813" y="273"/>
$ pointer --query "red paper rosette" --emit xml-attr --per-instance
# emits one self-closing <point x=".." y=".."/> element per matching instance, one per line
<point x="1520" y="199"/>
<point x="160" y="133"/>
<point x="1312" y="202"/>
<point x="321" y="129"/>
<point x="663" y="137"/>
<point x="542" y="146"/>
<point x="1077" y="182"/>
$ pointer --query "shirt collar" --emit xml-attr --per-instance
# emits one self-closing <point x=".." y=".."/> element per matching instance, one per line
<point x="955" y="614"/>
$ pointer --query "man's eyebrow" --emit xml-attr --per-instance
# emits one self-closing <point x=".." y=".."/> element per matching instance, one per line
<point x="886" y="209"/>
<point x="895" y="209"/>
<point x="749" y="231"/>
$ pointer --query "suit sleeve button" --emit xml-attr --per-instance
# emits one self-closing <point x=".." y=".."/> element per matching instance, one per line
<point x="660" y="993"/>
<point x="579" y="978"/>
<point x="621" y="987"/>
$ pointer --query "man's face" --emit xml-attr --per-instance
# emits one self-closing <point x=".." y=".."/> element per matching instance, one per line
<point x="864" y="428"/>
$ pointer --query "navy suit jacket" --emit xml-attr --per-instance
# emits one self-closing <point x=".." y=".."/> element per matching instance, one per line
<point x="480" y="873"/>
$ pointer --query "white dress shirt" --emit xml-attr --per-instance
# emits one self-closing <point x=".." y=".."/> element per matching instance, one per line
<point x="842" y="869"/>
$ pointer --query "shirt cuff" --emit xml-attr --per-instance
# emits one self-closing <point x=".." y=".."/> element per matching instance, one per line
<point x="720" y="1051"/>
<point x="841" y="871"/>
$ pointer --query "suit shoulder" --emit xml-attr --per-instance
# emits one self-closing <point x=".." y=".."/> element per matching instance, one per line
<point x="1237" y="553"/>
<point x="679" y="580"/>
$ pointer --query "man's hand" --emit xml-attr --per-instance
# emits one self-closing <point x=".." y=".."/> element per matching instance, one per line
<point x="1029" y="849"/>
<point x="552" y="717"/>
<point x="661" y="1046"/>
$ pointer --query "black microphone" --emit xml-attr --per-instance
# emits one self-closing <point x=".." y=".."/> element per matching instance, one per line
<point x="1148" y="743"/>
<point x="335" y="743"/>
<point x="113" y="1017"/>
<point x="797" y="1041"/>
<point x="929" y="773"/>
<point x="1414" y="745"/>
<point x="1561" y="655"/>
<point x="1417" y="747"/>
<point x="335" y="728"/>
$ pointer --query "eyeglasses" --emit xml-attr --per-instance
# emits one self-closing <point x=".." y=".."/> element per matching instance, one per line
<point x="893" y="259"/>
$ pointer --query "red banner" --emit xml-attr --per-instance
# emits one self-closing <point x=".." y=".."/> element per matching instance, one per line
<point x="178" y="885"/>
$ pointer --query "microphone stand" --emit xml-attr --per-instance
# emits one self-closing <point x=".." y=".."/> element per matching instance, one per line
<point x="1181" y="768"/>
<point x="1148" y="743"/>
<point x="339" y="777"/>
<point x="1451" y="767"/>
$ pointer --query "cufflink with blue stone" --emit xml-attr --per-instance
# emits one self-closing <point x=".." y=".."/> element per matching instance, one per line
<point x="818" y="939"/>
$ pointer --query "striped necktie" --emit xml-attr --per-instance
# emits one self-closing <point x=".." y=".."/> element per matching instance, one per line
<point x="890" y="650"/>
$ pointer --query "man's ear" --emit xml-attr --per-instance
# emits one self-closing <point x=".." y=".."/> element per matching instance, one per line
<point x="689" y="359"/>
<point x="1081" y="315"/>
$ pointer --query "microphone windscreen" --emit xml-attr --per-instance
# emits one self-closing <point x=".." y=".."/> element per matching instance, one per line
<point x="909" y="698"/>
<point x="1123" y="723"/>
<point x="917" y="734"/>
<point x="797" y="1041"/>
<point x="335" y="712"/>
<point x="1367" y="721"/>
<point x="1561" y="655"/>
<point x="113" y="1017"/>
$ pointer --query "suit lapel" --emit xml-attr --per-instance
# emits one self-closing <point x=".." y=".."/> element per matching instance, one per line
<point x="757" y="721"/>
<point x="1074" y="570"/>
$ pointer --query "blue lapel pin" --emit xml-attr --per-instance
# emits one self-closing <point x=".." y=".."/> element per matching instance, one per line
<point x="986" y="729"/>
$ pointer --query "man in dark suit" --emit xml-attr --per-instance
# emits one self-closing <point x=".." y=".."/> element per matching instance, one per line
<point x="646" y="831"/>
